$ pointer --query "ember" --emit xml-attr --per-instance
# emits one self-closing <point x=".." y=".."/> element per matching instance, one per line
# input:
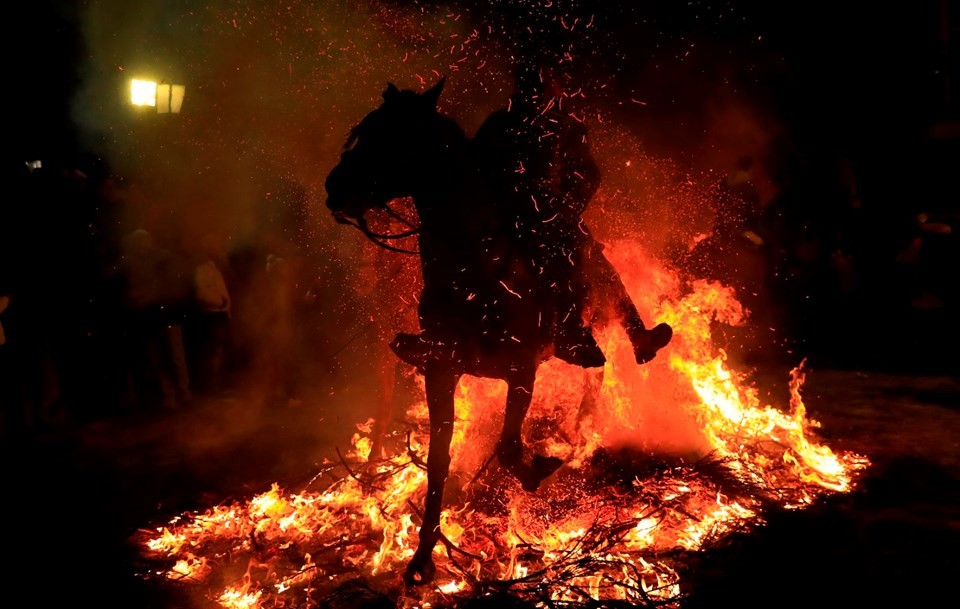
<point x="662" y="461"/>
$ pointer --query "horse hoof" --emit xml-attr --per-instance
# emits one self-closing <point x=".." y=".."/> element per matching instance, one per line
<point x="545" y="466"/>
<point x="421" y="570"/>
<point x="539" y="470"/>
<point x="646" y="343"/>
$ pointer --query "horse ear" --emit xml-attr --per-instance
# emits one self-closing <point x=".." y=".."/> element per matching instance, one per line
<point x="433" y="93"/>
<point x="390" y="91"/>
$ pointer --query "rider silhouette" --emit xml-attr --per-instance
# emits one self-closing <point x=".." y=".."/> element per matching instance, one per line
<point x="538" y="159"/>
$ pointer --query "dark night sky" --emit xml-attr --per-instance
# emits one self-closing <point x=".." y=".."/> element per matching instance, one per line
<point x="840" y="72"/>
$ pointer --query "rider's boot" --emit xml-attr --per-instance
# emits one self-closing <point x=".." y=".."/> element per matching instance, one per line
<point x="420" y="349"/>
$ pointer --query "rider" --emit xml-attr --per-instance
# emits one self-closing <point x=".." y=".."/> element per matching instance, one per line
<point x="539" y="161"/>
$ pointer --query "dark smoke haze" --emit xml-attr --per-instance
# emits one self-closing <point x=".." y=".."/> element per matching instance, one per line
<point x="673" y="95"/>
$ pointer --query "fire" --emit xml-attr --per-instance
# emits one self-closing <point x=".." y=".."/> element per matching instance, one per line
<point x="661" y="460"/>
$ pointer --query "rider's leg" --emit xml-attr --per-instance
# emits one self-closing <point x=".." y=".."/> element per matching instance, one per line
<point x="646" y="342"/>
<point x="574" y="342"/>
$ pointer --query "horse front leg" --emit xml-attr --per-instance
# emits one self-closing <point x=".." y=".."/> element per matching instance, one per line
<point x="510" y="445"/>
<point x="440" y="387"/>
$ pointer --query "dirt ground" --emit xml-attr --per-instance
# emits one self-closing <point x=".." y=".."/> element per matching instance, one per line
<point x="75" y="494"/>
<point x="892" y="542"/>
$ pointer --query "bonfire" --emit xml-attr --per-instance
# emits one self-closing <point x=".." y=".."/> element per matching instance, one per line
<point x="662" y="461"/>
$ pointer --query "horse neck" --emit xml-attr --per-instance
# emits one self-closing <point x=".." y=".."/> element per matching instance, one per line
<point x="446" y="182"/>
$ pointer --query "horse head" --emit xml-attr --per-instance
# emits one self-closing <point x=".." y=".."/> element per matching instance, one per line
<point x="383" y="158"/>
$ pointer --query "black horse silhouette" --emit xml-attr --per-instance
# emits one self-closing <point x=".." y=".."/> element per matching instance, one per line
<point x="483" y="311"/>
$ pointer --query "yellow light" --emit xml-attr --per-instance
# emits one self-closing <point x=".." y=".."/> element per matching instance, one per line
<point x="143" y="92"/>
<point x="163" y="99"/>
<point x="176" y="97"/>
<point x="169" y="98"/>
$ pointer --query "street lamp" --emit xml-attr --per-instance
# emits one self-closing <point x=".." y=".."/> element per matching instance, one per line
<point x="167" y="98"/>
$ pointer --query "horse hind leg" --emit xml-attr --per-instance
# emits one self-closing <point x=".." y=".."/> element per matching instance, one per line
<point x="440" y="387"/>
<point x="592" y="385"/>
<point x="510" y="445"/>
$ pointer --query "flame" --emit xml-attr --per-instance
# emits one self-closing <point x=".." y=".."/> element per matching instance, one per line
<point x="676" y="425"/>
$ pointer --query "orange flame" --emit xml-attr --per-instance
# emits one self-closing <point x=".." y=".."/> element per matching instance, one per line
<point x="583" y="536"/>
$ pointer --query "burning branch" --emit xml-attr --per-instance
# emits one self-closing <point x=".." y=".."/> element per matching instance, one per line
<point x="614" y="527"/>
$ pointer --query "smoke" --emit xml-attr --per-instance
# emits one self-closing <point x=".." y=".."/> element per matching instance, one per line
<point x="272" y="89"/>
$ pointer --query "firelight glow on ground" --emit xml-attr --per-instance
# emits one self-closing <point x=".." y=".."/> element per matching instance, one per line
<point x="661" y="461"/>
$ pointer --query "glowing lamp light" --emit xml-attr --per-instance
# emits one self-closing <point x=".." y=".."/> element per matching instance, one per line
<point x="143" y="92"/>
<point x="167" y="98"/>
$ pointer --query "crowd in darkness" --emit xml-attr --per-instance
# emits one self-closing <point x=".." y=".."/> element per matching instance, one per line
<point x="106" y="313"/>
<point x="851" y="274"/>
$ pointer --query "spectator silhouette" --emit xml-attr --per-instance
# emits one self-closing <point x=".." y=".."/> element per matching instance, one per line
<point x="813" y="233"/>
<point x="13" y="408"/>
<point x="4" y="303"/>
<point x="279" y="310"/>
<point x="9" y="399"/>
<point x="731" y="253"/>
<point x="263" y="281"/>
<point x="208" y="329"/>
<point x="111" y="224"/>
<point x="154" y="323"/>
<point x="53" y="292"/>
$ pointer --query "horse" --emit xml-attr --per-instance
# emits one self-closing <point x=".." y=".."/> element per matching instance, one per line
<point x="482" y="309"/>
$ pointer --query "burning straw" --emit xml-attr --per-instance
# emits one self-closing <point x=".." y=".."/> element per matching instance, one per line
<point x="663" y="461"/>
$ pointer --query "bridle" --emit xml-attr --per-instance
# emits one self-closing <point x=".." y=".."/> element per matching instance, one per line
<point x="380" y="239"/>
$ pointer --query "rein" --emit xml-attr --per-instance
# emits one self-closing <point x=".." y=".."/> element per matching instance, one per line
<point x="379" y="239"/>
